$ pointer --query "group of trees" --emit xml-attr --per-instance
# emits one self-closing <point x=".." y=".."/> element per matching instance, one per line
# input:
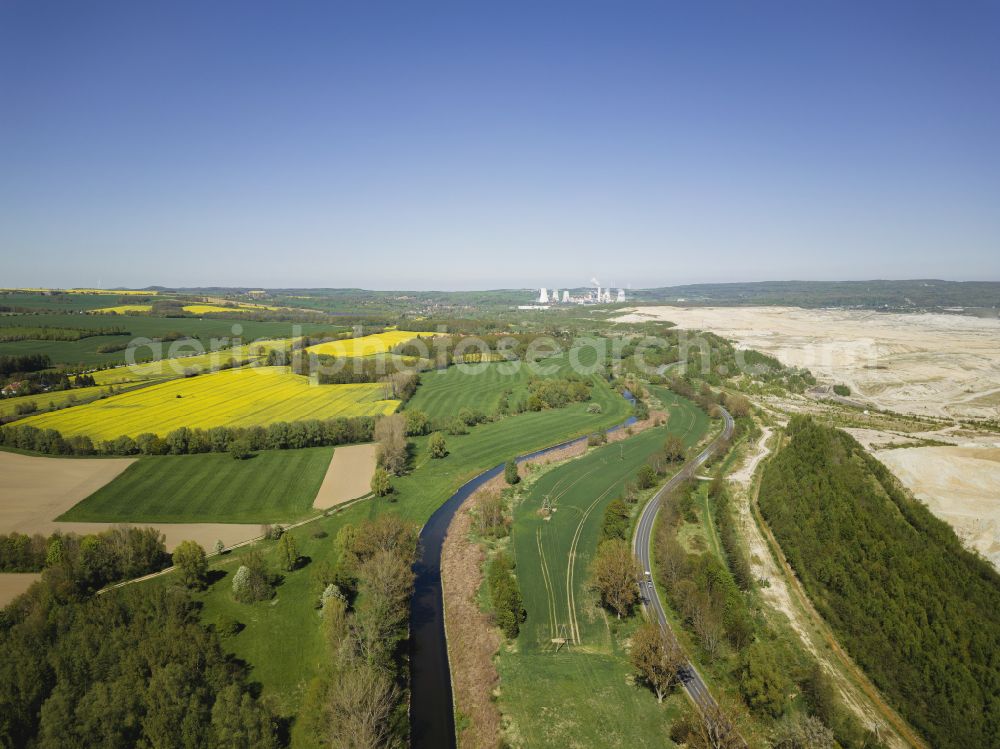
<point x="23" y="553"/>
<point x="253" y="581"/>
<point x="555" y="393"/>
<point x="21" y="363"/>
<point x="131" y="667"/>
<point x="505" y="595"/>
<point x="278" y="436"/>
<point x="74" y="565"/>
<point x="911" y="604"/>
<point x="400" y="377"/>
<point x="459" y="348"/>
<point x="357" y="701"/>
<point x="698" y="585"/>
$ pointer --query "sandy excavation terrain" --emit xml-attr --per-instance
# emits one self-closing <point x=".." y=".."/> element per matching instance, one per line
<point x="960" y="485"/>
<point x="930" y="364"/>
<point x="37" y="489"/>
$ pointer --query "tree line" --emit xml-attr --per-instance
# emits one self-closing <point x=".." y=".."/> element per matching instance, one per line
<point x="358" y="700"/>
<point x="183" y="441"/>
<point x="47" y="333"/>
<point x="22" y="363"/>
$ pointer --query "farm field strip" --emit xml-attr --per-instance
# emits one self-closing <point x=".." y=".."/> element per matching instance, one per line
<point x="235" y="397"/>
<point x="377" y="343"/>
<point x="574" y="619"/>
<point x="273" y="486"/>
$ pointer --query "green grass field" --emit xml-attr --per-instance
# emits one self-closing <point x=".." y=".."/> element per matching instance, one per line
<point x="569" y="697"/>
<point x="274" y="486"/>
<point x="577" y="699"/>
<point x="443" y="393"/>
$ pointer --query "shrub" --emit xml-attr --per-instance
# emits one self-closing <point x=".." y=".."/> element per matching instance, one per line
<point x="240" y="449"/>
<point x="271" y="532"/>
<point x="597" y="439"/>
<point x="510" y="473"/>
<point x="646" y="476"/>
<point x="227" y="626"/>
<point x="437" y="445"/>
<point x="381" y="484"/>
<point x="508" y="608"/>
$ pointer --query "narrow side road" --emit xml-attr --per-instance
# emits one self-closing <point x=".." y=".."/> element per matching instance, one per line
<point x="694" y="685"/>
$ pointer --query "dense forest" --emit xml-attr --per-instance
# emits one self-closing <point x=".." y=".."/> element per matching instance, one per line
<point x="913" y="607"/>
<point x="131" y="667"/>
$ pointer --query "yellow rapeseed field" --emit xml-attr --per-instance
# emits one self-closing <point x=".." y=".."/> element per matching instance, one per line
<point x="377" y="343"/>
<point x="234" y="397"/>
<point x="122" y="309"/>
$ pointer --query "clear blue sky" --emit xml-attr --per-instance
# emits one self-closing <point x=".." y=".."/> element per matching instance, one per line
<point x="495" y="144"/>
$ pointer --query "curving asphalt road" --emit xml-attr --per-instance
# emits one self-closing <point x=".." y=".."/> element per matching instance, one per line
<point x="689" y="676"/>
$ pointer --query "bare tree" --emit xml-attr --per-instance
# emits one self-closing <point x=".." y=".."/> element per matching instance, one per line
<point x="361" y="700"/>
<point x="386" y="583"/>
<point x="716" y="728"/>
<point x="390" y="433"/>
<point x="489" y="512"/>
<point x="707" y="624"/>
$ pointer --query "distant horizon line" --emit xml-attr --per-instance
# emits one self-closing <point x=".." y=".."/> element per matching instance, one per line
<point x="252" y="287"/>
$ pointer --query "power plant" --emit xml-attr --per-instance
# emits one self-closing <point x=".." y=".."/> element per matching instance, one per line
<point x="597" y="295"/>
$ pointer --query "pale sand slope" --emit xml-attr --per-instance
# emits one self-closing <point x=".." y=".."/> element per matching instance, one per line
<point x="35" y="490"/>
<point x="935" y="364"/>
<point x="13" y="584"/>
<point x="348" y="476"/>
<point x="960" y="485"/>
